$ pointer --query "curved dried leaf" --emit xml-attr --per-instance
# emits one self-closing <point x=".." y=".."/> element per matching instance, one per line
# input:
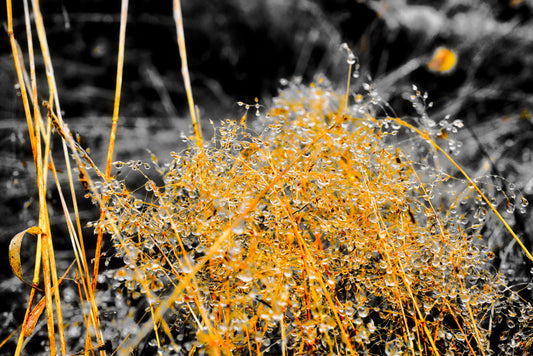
<point x="14" y="250"/>
<point x="33" y="318"/>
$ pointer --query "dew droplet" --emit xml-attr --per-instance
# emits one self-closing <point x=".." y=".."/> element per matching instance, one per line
<point x="395" y="125"/>
<point x="163" y="215"/>
<point x="245" y="276"/>
<point x="458" y="123"/>
<point x="239" y="228"/>
<point x="186" y="269"/>
<point x="523" y="202"/>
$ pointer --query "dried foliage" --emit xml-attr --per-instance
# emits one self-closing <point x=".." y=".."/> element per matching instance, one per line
<point x="362" y="245"/>
<point x="326" y="225"/>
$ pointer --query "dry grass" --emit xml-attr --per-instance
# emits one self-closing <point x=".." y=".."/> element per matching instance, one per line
<point x="325" y="226"/>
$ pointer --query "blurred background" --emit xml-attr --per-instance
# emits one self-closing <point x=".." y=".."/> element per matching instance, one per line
<point x="241" y="49"/>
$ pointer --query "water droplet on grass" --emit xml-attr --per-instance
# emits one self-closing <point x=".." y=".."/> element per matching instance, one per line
<point x="186" y="269"/>
<point x="458" y="123"/>
<point x="239" y="228"/>
<point x="523" y="202"/>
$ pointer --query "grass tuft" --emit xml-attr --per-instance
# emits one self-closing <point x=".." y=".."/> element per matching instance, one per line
<point x="308" y="232"/>
<point x="326" y="225"/>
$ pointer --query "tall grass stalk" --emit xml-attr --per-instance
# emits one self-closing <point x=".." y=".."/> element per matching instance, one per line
<point x="42" y="161"/>
<point x="185" y="73"/>
<point x="109" y="160"/>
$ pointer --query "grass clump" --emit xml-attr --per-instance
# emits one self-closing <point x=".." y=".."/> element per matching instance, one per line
<point x="320" y="229"/>
<point x="323" y="227"/>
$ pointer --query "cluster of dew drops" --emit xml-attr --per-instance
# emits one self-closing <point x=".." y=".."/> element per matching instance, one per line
<point x="324" y="256"/>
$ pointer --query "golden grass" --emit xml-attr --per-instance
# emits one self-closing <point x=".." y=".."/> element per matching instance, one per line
<point x="320" y="228"/>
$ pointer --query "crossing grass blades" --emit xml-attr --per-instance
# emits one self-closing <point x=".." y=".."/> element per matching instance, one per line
<point x="326" y="225"/>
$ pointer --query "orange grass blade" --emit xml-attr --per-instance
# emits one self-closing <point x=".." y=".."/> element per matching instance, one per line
<point x="49" y="268"/>
<point x="118" y="88"/>
<point x="40" y="163"/>
<point x="309" y="257"/>
<point x="15" y="49"/>
<point x="185" y="72"/>
<point x="81" y="260"/>
<point x="426" y="137"/>
<point x="36" y="312"/>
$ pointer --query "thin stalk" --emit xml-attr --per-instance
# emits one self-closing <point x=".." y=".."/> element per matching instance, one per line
<point x="345" y="106"/>
<point x="327" y="295"/>
<point x="17" y="59"/>
<point x="35" y="131"/>
<point x="81" y="261"/>
<point x="385" y="231"/>
<point x="185" y="73"/>
<point x="109" y="160"/>
<point x="37" y="268"/>
<point x="426" y="137"/>
<point x="49" y="267"/>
